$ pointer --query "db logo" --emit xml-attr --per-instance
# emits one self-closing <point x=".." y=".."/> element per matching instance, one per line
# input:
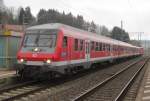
<point x="34" y="55"/>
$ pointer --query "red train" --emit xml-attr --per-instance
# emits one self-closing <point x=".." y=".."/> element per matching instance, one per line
<point x="56" y="48"/>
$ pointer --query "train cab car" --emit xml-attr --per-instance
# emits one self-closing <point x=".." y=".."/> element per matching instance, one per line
<point x="48" y="49"/>
<point x="57" y="49"/>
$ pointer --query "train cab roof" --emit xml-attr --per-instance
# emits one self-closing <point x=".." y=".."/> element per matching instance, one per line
<point x="78" y="33"/>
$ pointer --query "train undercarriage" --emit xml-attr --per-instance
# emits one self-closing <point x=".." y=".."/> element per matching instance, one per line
<point x="46" y="72"/>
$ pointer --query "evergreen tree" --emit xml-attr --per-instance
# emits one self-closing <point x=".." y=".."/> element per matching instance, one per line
<point x="28" y="17"/>
<point x="119" y="34"/>
<point x="80" y="21"/>
<point x="21" y="16"/>
<point x="92" y="27"/>
<point x="41" y="17"/>
<point x="0" y="16"/>
<point x="69" y="19"/>
<point x="102" y="30"/>
<point x="25" y="16"/>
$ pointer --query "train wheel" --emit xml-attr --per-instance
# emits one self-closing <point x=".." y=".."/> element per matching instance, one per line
<point x="93" y="66"/>
<point x="68" y="71"/>
<point x="52" y="75"/>
<point x="22" y="75"/>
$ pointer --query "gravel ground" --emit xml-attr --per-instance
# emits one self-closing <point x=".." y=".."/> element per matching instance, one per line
<point x="110" y="91"/>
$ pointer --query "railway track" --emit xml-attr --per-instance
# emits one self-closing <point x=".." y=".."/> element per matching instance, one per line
<point x="112" y="89"/>
<point x="25" y="91"/>
<point x="17" y="91"/>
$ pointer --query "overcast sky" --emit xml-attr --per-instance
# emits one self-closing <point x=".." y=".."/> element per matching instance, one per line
<point x="135" y="14"/>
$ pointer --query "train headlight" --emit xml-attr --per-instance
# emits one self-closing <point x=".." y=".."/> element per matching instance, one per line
<point x="21" y="60"/>
<point x="48" y="61"/>
<point x="36" y="49"/>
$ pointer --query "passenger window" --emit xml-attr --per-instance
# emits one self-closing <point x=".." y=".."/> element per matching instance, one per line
<point x="81" y="44"/>
<point x="109" y="47"/>
<point x="76" y="44"/>
<point x="92" y="45"/>
<point x="96" y="48"/>
<point x="114" y="48"/>
<point x="103" y="48"/>
<point x="100" y="46"/>
<point x="65" y="41"/>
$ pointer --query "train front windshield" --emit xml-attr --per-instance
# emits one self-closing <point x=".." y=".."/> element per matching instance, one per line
<point x="47" y="39"/>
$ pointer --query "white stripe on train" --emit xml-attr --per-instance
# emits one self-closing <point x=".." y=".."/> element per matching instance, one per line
<point x="60" y="63"/>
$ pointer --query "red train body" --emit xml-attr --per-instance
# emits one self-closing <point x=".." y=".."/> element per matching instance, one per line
<point x="60" y="49"/>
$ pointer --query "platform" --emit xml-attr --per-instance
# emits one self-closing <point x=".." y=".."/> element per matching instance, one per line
<point x="144" y="91"/>
<point x="6" y="73"/>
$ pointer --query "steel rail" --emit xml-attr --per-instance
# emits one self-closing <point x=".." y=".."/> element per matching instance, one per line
<point x="5" y="89"/>
<point x="38" y="87"/>
<point x="14" y="87"/>
<point x="25" y="93"/>
<point x="128" y="85"/>
<point x="94" y="88"/>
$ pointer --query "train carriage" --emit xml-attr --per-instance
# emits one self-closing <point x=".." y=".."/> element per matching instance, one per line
<point x="61" y="49"/>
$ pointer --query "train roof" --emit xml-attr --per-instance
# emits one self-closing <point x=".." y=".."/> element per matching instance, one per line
<point x="68" y="30"/>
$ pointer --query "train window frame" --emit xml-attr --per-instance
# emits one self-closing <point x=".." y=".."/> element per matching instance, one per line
<point x="51" y="40"/>
<point x="53" y="44"/>
<point x="65" y="42"/>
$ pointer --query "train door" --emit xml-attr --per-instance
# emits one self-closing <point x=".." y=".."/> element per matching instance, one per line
<point x="87" y="50"/>
<point x="69" y="49"/>
<point x="111" y="50"/>
<point x="65" y="48"/>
